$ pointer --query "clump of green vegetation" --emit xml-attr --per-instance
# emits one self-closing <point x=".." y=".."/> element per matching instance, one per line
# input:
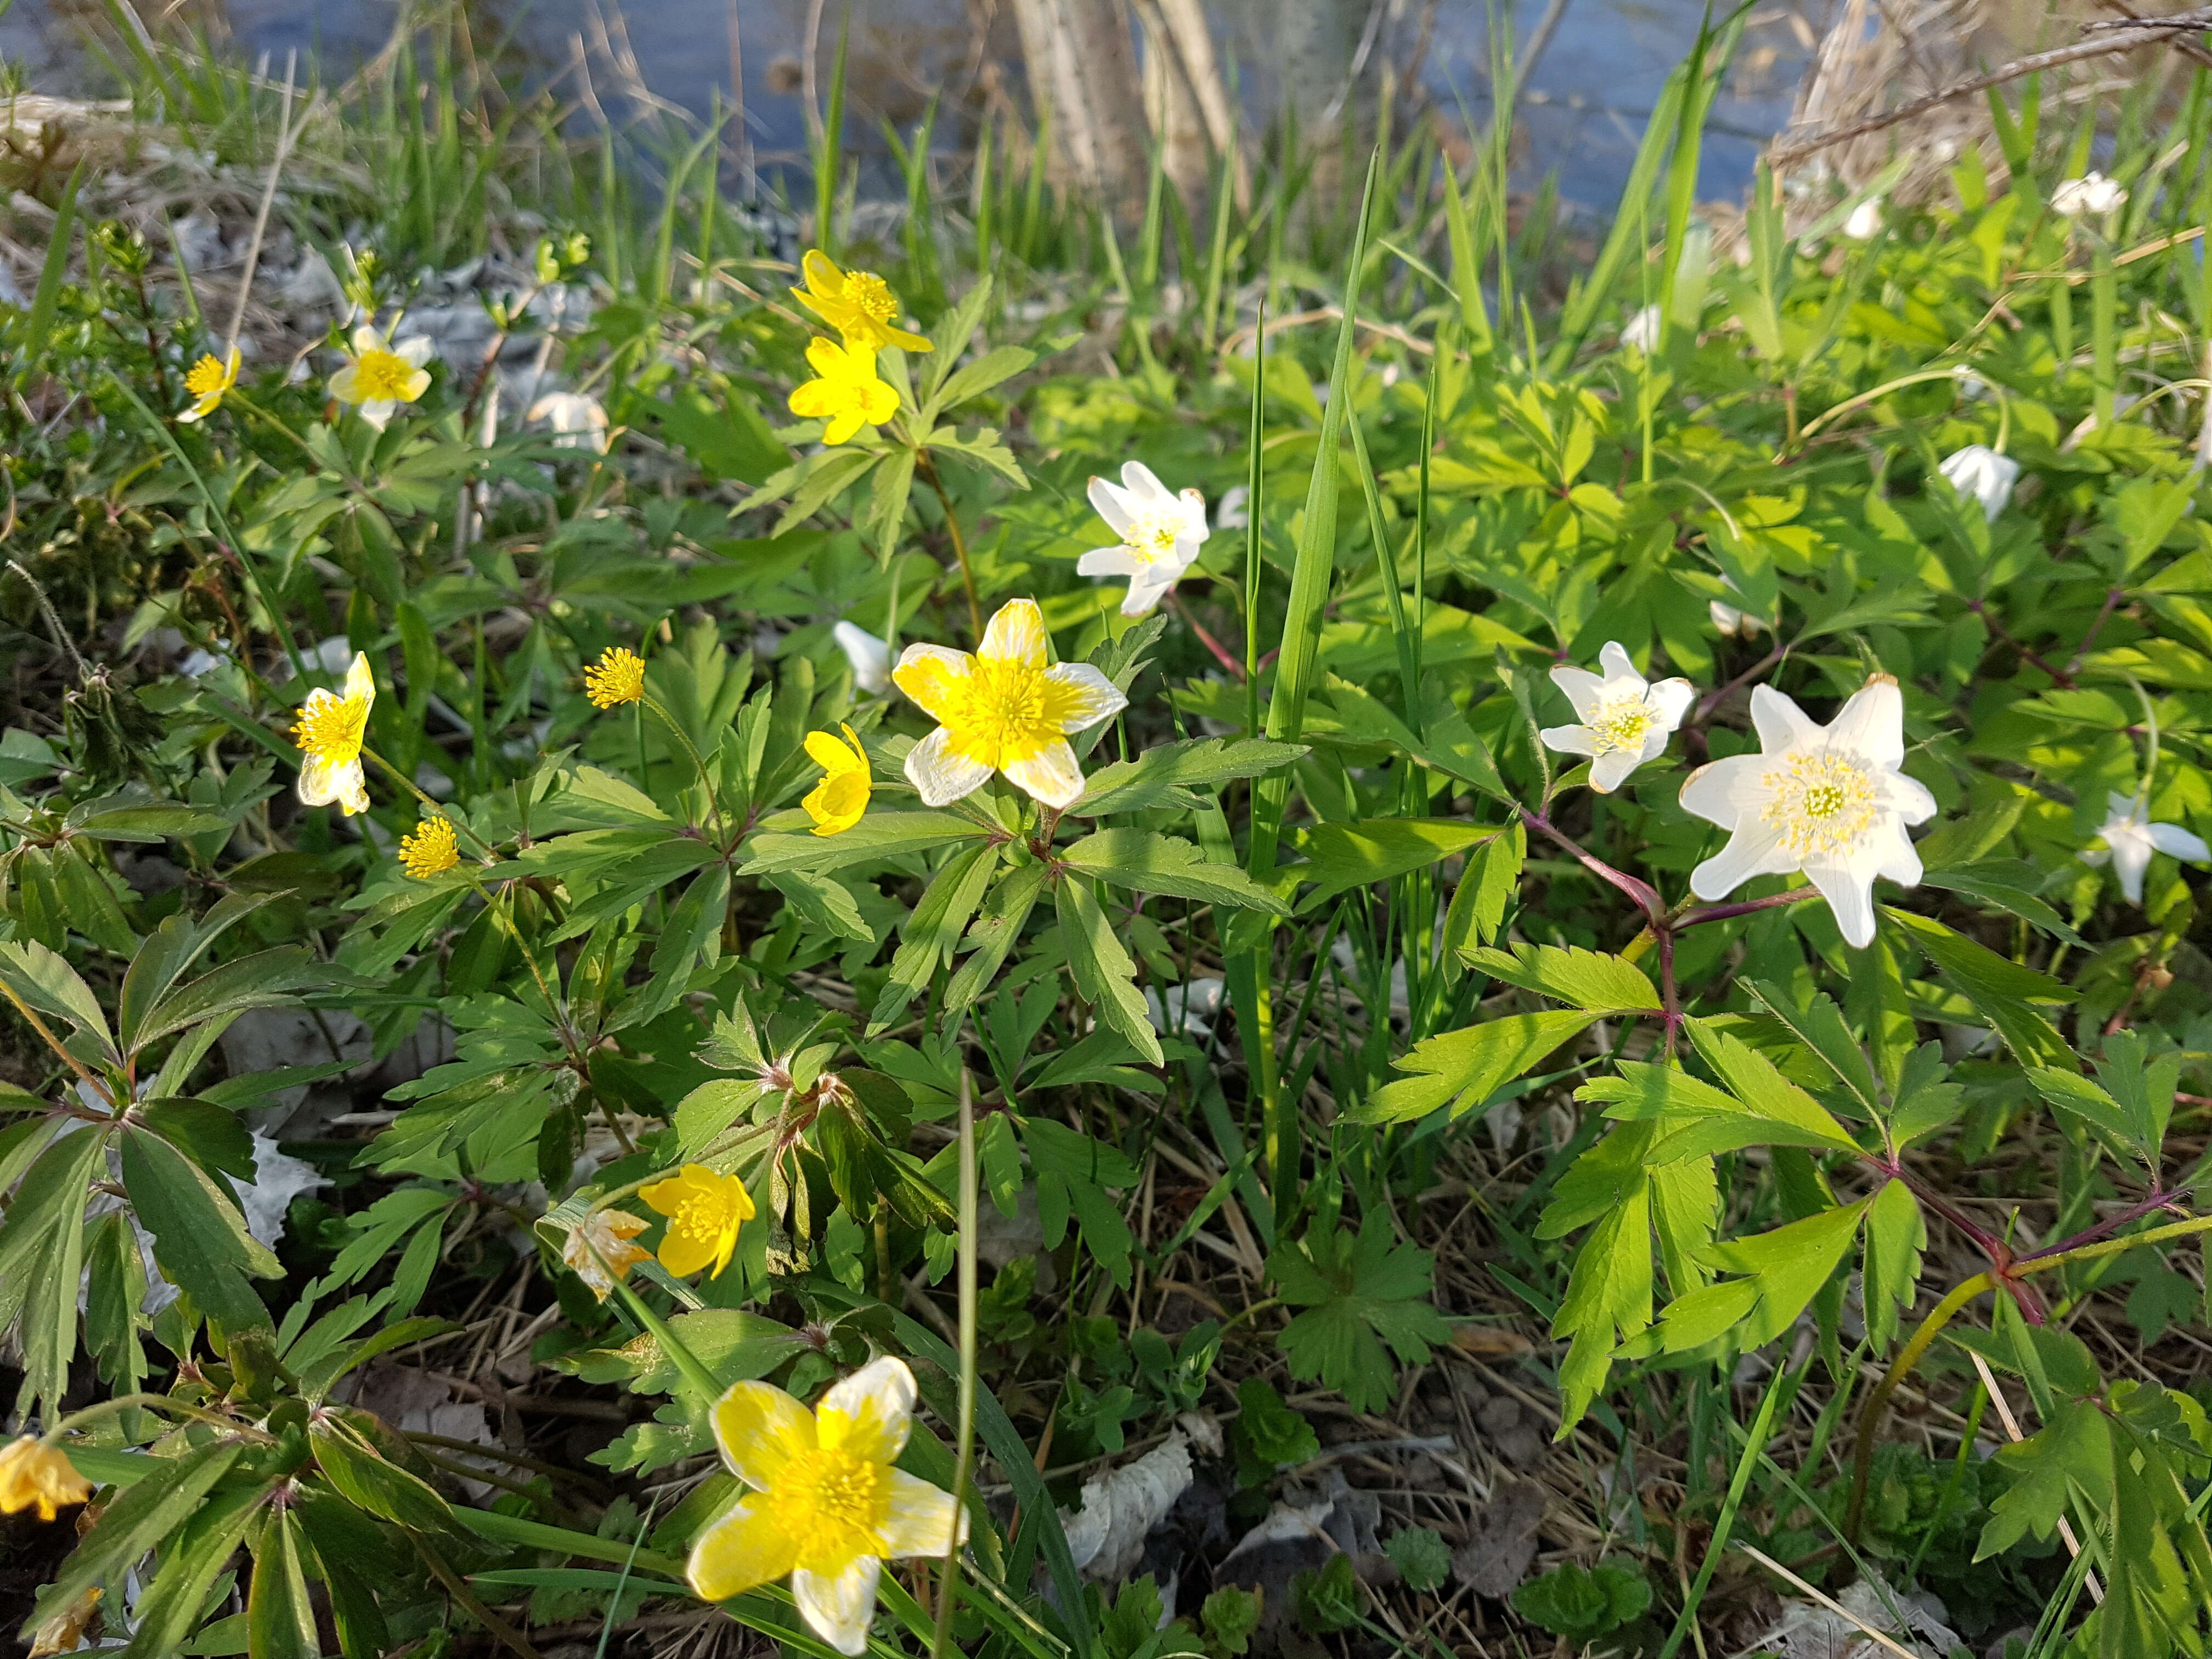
<point x="962" y="917"/>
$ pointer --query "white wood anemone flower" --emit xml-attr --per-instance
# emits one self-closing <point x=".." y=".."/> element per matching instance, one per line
<point x="1005" y="709"/>
<point x="2091" y="194"/>
<point x="1625" y="719"/>
<point x="827" y="1507"/>
<point x="1160" y="532"/>
<point x="871" y="657"/>
<point x="2131" y="838"/>
<point x="330" y="732"/>
<point x="1831" y="801"/>
<point x="1983" y="476"/>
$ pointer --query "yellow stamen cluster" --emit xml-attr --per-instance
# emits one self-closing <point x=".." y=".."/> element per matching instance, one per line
<point x="430" y="851"/>
<point x="333" y="729"/>
<point x="834" y="1500"/>
<point x="383" y="377"/>
<point x="1619" y="723"/>
<point x="618" y="676"/>
<point x="1153" y="533"/>
<point x="205" y="376"/>
<point x="1822" y="802"/>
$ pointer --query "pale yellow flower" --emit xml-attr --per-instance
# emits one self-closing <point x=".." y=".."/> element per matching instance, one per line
<point x="848" y="395"/>
<point x="1005" y="709"/>
<point x="430" y="851"/>
<point x="380" y="376"/>
<point x="618" y="676"/>
<point x="838" y="801"/>
<point x="859" y="304"/>
<point x="36" y="1476"/>
<point x="330" y="731"/>
<point x="207" y="380"/>
<point x="64" y="1632"/>
<point x="827" y="1507"/>
<point x="704" y="1211"/>
<point x="599" y="1250"/>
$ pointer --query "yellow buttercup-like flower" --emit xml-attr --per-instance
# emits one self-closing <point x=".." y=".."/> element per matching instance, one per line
<point x="827" y="1507"/>
<point x="430" y="851"/>
<point x="839" y="799"/>
<point x="1005" y="709"/>
<point x="330" y="731"/>
<point x="599" y="1250"/>
<point x="380" y="376"/>
<point x="36" y="1476"/>
<point x="618" y="676"/>
<point x="859" y="304"/>
<point x="848" y="394"/>
<point x="207" y="380"/>
<point x="704" y="1211"/>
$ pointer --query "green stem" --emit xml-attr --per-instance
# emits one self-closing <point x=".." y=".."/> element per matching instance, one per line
<point x="699" y="761"/>
<point x="1908" y="1357"/>
<point x="963" y="1467"/>
<point x="76" y="1420"/>
<point x="695" y="1372"/>
<point x="928" y="469"/>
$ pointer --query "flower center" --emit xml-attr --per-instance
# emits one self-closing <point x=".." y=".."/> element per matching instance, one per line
<point x="330" y="728"/>
<point x="206" y="376"/>
<point x="1823" y="804"/>
<point x="702" y="1218"/>
<point x="1153" y="532"/>
<point x="1621" y="722"/>
<point x="1003" y="717"/>
<point x="382" y="377"/>
<point x="833" y="1503"/>
<point x="870" y="295"/>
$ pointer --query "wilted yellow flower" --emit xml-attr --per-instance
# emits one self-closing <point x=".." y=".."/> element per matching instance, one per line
<point x="599" y="1250"/>
<point x="330" y="731"/>
<point x="207" y="380"/>
<point x="704" y="1211"/>
<point x="1005" y="709"/>
<point x="618" y="676"/>
<point x="380" y="376"/>
<point x="859" y="304"/>
<point x="431" y="850"/>
<point x="64" y="1632"/>
<point x="848" y="394"/>
<point x="34" y="1475"/>
<point x="828" y="1507"/>
<point x="839" y="799"/>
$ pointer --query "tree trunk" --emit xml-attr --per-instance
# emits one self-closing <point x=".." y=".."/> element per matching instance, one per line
<point x="1188" y="103"/>
<point x="1082" y="79"/>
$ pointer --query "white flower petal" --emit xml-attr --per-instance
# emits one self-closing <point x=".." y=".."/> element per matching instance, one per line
<point x="2174" y="839"/>
<point x="1670" y="699"/>
<point x="1016" y="633"/>
<point x="1584" y="689"/>
<point x="1195" y="527"/>
<point x="1053" y="775"/>
<point x="869" y="1413"/>
<point x="366" y="339"/>
<point x="414" y="350"/>
<point x="923" y="1519"/>
<point x="938" y="775"/>
<point x="2131" y="861"/>
<point x="1569" y="740"/>
<point x="1722" y="792"/>
<point x="377" y="412"/>
<point x="1780" y="723"/>
<point x="1612" y="657"/>
<point x="1146" y="590"/>
<point x="1080" y="696"/>
<point x="870" y="657"/>
<point x="1909" y="799"/>
<point x="1871" y="724"/>
<point x="1141" y="481"/>
<point x="839" y="1608"/>
<point x="1753" y="850"/>
<point x="1892" y="853"/>
<point x="1120" y="559"/>
<point x="1106" y="500"/>
<point x="1849" y="892"/>
<point x="1609" y="772"/>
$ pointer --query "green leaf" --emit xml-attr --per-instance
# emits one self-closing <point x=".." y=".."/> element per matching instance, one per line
<point x="1487" y="886"/>
<point x="1697" y="1119"/>
<point x="345" y="1448"/>
<point x="1072" y="1172"/>
<point x="1895" y="1237"/>
<point x="148" y="1511"/>
<point x="1342" y="856"/>
<point x="1172" y="775"/>
<point x="736" y="1346"/>
<point x="1817" y="1023"/>
<point x="267" y="979"/>
<point x="61" y="240"/>
<point x="1102" y="970"/>
<point x="51" y="986"/>
<point x="1422" y="1557"/>
<point x="1754" y="1080"/>
<point x="1609" y="1296"/>
<point x="199" y="1238"/>
<point x="279" y="1620"/>
<point x="2011" y="885"/>
<point x="2074" y="1447"/>
<point x="2001" y="991"/>
<point x="1146" y="862"/>
<point x="1600" y="984"/>
<point x="1357" y="1294"/>
<point x="1786" y="1267"/>
<point x="972" y="379"/>
<point x="880" y="836"/>
<point x="1463" y="1069"/>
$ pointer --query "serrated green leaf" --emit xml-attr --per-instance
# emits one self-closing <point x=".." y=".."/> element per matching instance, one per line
<point x="1785" y="1268"/>
<point x="1342" y="856"/>
<point x="1146" y="862"/>
<point x="1101" y="967"/>
<point x="1171" y="774"/>
<point x="1600" y="984"/>
<point x="1463" y="1069"/>
<point x="1896" y="1235"/>
<point x="1357" y="1295"/>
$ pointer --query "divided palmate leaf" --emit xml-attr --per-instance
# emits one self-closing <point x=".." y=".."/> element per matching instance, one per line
<point x="1601" y="984"/>
<point x="1146" y="862"/>
<point x="1463" y="1069"/>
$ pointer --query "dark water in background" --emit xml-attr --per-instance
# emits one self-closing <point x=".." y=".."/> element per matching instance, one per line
<point x="1582" y="114"/>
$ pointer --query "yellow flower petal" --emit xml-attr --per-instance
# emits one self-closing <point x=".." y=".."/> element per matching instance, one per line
<point x="935" y="677"/>
<point x="760" y="1429"/>
<point x="746" y="1547"/>
<point x="36" y="1476"/>
<point x="869" y="1413"/>
<point x="1015" y="635"/>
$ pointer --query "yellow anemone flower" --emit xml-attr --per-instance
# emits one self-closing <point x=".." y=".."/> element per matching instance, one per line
<point x="848" y="394"/>
<point x="380" y="376"/>
<point x="430" y="851"/>
<point x="36" y="1476"/>
<point x="1005" y="709"/>
<point x="330" y="731"/>
<point x="859" y="304"/>
<point x="599" y="1250"/>
<point x="839" y="799"/>
<point x="64" y="1632"/>
<point x="704" y="1211"/>
<point x="618" y="676"/>
<point x="826" y="1506"/>
<point x="207" y="380"/>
